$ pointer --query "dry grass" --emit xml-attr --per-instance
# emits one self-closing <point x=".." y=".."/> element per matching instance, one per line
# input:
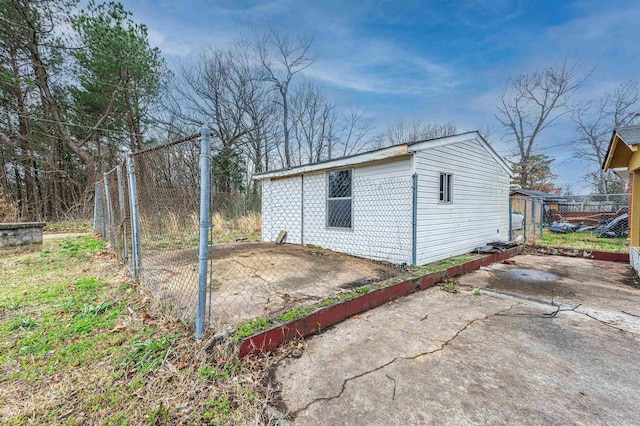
<point x="9" y="211"/>
<point x="171" y="231"/>
<point x="64" y="227"/>
<point x="249" y="224"/>
<point x="62" y="362"/>
<point x="219" y="223"/>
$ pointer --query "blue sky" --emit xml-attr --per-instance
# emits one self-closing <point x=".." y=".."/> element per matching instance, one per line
<point x="439" y="61"/>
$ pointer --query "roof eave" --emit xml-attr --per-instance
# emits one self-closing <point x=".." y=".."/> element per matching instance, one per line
<point x="396" y="151"/>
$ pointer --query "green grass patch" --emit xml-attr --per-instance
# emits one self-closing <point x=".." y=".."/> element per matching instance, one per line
<point x="583" y="241"/>
<point x="226" y="371"/>
<point x="64" y="361"/>
<point x="296" y="313"/>
<point x="146" y="355"/>
<point x="22" y="322"/>
<point x="449" y="286"/>
<point x="219" y="411"/>
<point x="260" y="324"/>
<point x="252" y="327"/>
<point x="56" y="314"/>
<point x="441" y="265"/>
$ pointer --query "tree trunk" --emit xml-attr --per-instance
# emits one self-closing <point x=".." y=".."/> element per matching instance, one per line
<point x="42" y="80"/>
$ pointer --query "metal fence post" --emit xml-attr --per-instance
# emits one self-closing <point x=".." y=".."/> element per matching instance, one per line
<point x="96" y="206"/>
<point x="510" y="219"/>
<point x="135" y="218"/>
<point x="110" y="221"/>
<point x="414" y="221"/>
<point x="205" y="224"/>
<point x="101" y="224"/>
<point x="524" y="222"/>
<point x="125" y="255"/>
<point x="541" y="216"/>
<point x="534" y="217"/>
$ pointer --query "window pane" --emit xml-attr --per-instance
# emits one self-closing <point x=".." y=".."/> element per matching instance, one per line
<point x="449" y="188"/>
<point x="339" y="213"/>
<point x="441" y="186"/>
<point x="340" y="184"/>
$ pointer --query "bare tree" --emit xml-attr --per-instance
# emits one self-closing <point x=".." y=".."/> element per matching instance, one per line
<point x="533" y="101"/>
<point x="402" y="131"/>
<point x="314" y="122"/>
<point x="219" y="89"/>
<point x="215" y="90"/>
<point x="262" y="123"/>
<point x="353" y="134"/>
<point x="282" y="57"/>
<point x="594" y="121"/>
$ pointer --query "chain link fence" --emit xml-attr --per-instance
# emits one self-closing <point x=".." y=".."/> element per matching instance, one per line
<point x="168" y="194"/>
<point x="291" y="244"/>
<point x="587" y="222"/>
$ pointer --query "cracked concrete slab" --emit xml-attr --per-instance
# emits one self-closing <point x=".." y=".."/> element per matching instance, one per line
<point x="436" y="357"/>
<point x="605" y="285"/>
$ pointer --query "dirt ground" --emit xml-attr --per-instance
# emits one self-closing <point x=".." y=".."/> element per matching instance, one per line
<point x="549" y="340"/>
<point x="256" y="279"/>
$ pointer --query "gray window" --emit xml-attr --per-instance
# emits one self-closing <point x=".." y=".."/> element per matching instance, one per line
<point x="339" y="199"/>
<point x="446" y="188"/>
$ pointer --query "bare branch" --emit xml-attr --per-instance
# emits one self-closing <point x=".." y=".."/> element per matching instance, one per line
<point x="533" y="101"/>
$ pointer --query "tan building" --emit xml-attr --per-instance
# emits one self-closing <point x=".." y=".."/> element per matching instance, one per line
<point x="623" y="158"/>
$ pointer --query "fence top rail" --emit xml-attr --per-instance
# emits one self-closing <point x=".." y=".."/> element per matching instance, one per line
<point x="166" y="145"/>
<point x="112" y="170"/>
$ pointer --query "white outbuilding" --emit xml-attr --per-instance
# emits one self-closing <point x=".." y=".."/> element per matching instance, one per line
<point x="412" y="203"/>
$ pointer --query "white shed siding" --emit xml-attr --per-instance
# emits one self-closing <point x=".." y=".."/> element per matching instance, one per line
<point x="479" y="213"/>
<point x="381" y="220"/>
<point x="381" y="212"/>
<point x="281" y="209"/>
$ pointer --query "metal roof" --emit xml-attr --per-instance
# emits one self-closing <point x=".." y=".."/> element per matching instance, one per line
<point x="629" y="134"/>
<point x="534" y="193"/>
<point x="382" y="153"/>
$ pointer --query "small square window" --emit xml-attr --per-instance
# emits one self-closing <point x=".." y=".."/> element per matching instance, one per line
<point x="446" y="188"/>
<point x="339" y="199"/>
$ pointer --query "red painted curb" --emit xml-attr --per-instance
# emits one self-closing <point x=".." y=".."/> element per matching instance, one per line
<point x="317" y="321"/>
<point x="585" y="254"/>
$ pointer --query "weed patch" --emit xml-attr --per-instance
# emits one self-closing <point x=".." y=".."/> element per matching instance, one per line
<point x="583" y="241"/>
<point x="63" y="363"/>
<point x="144" y="356"/>
<point x="449" y="285"/>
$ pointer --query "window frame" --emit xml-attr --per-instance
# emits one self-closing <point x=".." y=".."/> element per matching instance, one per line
<point x="445" y="188"/>
<point x="328" y="199"/>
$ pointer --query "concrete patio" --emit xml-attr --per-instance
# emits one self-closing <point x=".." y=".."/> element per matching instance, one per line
<point x="549" y="340"/>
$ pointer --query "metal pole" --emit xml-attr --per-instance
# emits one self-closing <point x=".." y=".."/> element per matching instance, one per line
<point x="205" y="224"/>
<point x="135" y="218"/>
<point x="541" y="216"/>
<point x="524" y="226"/>
<point x="125" y="254"/>
<point x="102" y="225"/>
<point x="95" y="206"/>
<point x="301" y="209"/>
<point x="414" y="221"/>
<point x="110" y="221"/>
<point x="510" y="219"/>
<point x="533" y="216"/>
